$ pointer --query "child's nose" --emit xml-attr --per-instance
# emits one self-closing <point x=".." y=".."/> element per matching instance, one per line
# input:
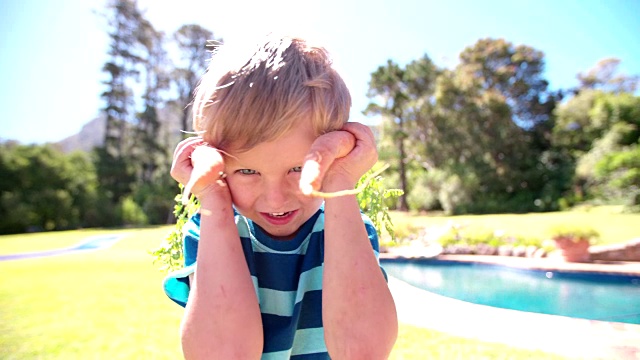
<point x="276" y="193"/>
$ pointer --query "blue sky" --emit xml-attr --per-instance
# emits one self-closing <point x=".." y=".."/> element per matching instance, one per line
<point x="52" y="52"/>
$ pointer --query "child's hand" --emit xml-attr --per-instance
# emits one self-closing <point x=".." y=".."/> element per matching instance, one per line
<point x="199" y="166"/>
<point x="338" y="159"/>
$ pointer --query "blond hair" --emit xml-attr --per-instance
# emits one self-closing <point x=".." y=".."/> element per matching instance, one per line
<point x="242" y="103"/>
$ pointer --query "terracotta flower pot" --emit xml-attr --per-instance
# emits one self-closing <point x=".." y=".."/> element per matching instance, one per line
<point x="573" y="250"/>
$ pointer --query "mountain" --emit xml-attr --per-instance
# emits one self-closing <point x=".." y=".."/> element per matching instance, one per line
<point x="90" y="136"/>
<point x="92" y="133"/>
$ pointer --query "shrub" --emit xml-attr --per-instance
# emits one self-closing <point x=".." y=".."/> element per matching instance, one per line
<point x="459" y="235"/>
<point x="404" y="230"/>
<point x="454" y="194"/>
<point x="575" y="233"/>
<point x="462" y="235"/>
<point x="132" y="213"/>
<point x="424" y="194"/>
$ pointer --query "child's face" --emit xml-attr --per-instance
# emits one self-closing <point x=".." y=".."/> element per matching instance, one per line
<point x="264" y="182"/>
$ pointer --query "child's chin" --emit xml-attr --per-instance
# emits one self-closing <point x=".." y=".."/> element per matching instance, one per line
<point x="284" y="236"/>
<point x="281" y="232"/>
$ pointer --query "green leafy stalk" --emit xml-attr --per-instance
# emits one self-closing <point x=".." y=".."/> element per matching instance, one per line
<point x="372" y="201"/>
<point x="169" y="254"/>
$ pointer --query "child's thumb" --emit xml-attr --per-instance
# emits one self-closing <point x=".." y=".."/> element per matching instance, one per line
<point x="323" y="152"/>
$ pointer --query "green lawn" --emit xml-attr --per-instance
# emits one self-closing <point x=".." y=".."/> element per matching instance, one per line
<point x="613" y="226"/>
<point x="105" y="304"/>
<point x="108" y="304"/>
<point x="416" y="343"/>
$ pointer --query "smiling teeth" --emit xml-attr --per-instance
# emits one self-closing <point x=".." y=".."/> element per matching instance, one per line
<point x="278" y="214"/>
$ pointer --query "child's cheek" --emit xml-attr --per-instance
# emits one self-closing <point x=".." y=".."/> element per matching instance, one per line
<point x="242" y="187"/>
<point x="293" y="180"/>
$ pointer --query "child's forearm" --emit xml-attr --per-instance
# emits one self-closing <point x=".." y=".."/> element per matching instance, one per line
<point x="222" y="318"/>
<point x="358" y="312"/>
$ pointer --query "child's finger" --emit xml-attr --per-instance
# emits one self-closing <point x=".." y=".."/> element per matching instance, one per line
<point x="360" y="131"/>
<point x="181" y="166"/>
<point x="324" y="150"/>
<point x="365" y="150"/>
<point x="186" y="144"/>
<point x="207" y="167"/>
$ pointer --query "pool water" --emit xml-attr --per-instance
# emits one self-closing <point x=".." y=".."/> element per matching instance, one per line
<point x="593" y="296"/>
<point x="91" y="243"/>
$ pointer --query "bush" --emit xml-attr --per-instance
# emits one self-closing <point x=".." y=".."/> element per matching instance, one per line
<point x="155" y="198"/>
<point x="575" y="233"/>
<point x="453" y="195"/>
<point x="132" y="213"/>
<point x="619" y="175"/>
<point x="405" y="230"/>
<point x="459" y="235"/>
<point x="469" y="236"/>
<point x="424" y="194"/>
<point x="43" y="189"/>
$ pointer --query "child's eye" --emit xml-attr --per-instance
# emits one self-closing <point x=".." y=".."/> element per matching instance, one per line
<point x="296" y="169"/>
<point x="247" y="172"/>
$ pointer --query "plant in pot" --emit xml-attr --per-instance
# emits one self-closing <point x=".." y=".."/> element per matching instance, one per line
<point x="573" y="242"/>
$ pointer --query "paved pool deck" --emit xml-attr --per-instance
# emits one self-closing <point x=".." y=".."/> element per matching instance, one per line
<point x="570" y="337"/>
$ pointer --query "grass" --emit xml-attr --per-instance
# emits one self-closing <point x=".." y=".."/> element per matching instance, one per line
<point x="416" y="343"/>
<point x="101" y="304"/>
<point x="109" y="304"/>
<point x="612" y="225"/>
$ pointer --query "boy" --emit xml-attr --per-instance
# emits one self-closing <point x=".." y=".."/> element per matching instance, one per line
<point x="279" y="274"/>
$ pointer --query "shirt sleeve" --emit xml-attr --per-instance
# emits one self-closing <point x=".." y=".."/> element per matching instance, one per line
<point x="176" y="284"/>
<point x="373" y="239"/>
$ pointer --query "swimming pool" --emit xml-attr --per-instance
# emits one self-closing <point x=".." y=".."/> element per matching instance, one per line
<point x="594" y="296"/>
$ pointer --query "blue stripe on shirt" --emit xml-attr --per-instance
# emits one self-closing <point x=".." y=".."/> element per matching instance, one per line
<point x="278" y="329"/>
<point x="287" y="276"/>
<point x="281" y="272"/>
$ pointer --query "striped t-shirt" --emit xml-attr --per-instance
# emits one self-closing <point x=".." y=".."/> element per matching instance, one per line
<point x="287" y="276"/>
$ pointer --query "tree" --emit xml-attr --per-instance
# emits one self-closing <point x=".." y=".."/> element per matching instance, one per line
<point x="386" y="84"/>
<point x="479" y="129"/>
<point x="619" y="175"/>
<point x="402" y="97"/>
<point x="602" y="133"/>
<point x="115" y="169"/>
<point x="590" y="114"/>
<point x="122" y="68"/>
<point x="192" y="41"/>
<point x="515" y="73"/>
<point x="147" y="150"/>
<point x="419" y="78"/>
<point x="477" y="143"/>
<point x="604" y="76"/>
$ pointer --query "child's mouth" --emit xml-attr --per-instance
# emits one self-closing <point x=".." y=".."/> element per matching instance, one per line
<point x="279" y="218"/>
<point x="280" y="214"/>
